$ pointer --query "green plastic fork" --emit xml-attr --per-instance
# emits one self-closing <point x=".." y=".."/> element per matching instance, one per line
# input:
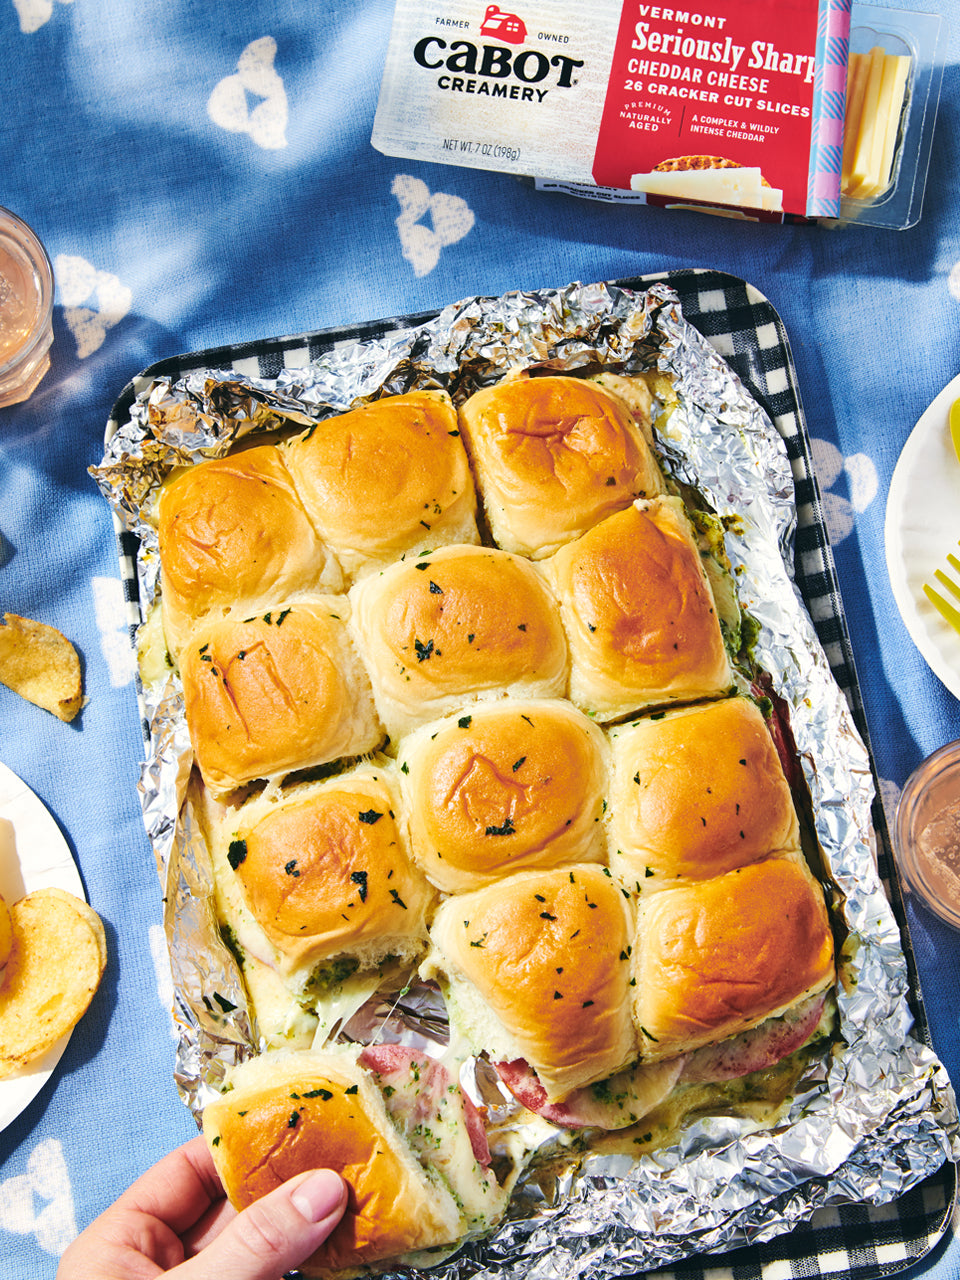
<point x="946" y="609"/>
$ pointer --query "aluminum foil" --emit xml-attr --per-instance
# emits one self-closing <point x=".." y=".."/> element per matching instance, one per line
<point x="864" y="1126"/>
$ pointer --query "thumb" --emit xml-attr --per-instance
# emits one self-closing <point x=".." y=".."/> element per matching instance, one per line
<point x="276" y="1233"/>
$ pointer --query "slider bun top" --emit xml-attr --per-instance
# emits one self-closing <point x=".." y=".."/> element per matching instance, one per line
<point x="462" y="621"/>
<point x="504" y="786"/>
<point x="288" y="1112"/>
<point x="324" y="870"/>
<point x="280" y="691"/>
<point x="697" y="792"/>
<point x="715" y="958"/>
<point x="537" y="967"/>
<point x="553" y="455"/>
<point x="233" y="532"/>
<point x="387" y="480"/>
<point x="639" y="613"/>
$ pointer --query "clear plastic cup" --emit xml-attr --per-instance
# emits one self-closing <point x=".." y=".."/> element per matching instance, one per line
<point x="926" y="833"/>
<point x="26" y="310"/>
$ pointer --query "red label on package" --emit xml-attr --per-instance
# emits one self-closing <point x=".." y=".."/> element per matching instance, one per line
<point x="713" y="106"/>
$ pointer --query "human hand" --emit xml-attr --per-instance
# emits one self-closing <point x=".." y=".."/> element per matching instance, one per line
<point x="175" y="1221"/>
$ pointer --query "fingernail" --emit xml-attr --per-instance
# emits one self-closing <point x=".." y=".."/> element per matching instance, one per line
<point x="318" y="1195"/>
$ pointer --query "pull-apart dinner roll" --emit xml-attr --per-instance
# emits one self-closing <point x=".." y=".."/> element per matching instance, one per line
<point x="461" y="621"/>
<point x="387" y="480"/>
<point x="408" y="1143"/>
<point x="553" y="455"/>
<point x="317" y="880"/>
<point x="536" y="967"/>
<point x="233" y="534"/>
<point x="697" y="792"/>
<point x="276" y="692"/>
<point x="639" y="614"/>
<point x="715" y="958"/>
<point x="501" y="787"/>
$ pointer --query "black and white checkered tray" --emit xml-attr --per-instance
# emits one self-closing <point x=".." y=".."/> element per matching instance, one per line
<point x="856" y="1241"/>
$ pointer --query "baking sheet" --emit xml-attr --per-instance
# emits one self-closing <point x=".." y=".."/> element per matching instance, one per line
<point x="746" y="331"/>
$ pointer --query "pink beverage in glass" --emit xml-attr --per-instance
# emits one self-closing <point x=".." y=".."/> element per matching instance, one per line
<point x="26" y="310"/>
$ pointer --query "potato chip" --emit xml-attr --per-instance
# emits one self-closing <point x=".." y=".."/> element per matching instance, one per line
<point x="6" y="934"/>
<point x="55" y="967"/>
<point x="40" y="664"/>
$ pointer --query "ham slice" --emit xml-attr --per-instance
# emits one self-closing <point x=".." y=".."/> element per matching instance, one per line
<point x="628" y="1096"/>
<point x="757" y="1049"/>
<point x="417" y="1093"/>
<point x="608" y="1104"/>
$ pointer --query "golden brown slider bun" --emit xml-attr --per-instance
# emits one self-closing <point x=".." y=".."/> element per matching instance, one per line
<point x="287" y="1112"/>
<point x="233" y="533"/>
<point x="504" y="786"/>
<point x="554" y="455"/>
<point x="276" y="692"/>
<point x="324" y="870"/>
<point x="461" y="621"/>
<point x="715" y="958"/>
<point x="697" y="792"/>
<point x="387" y="480"/>
<point x="639" y="613"/>
<point x="537" y="967"/>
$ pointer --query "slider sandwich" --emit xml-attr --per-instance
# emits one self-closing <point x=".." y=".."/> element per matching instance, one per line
<point x="504" y="786"/>
<point x="386" y="481"/>
<point x="535" y="970"/>
<point x="269" y="694"/>
<point x="233" y="534"/>
<point x="552" y="456"/>
<point x="638" y="612"/>
<point x="391" y="1121"/>
<point x="316" y="882"/>
<point x="461" y="623"/>
<point x="696" y="792"/>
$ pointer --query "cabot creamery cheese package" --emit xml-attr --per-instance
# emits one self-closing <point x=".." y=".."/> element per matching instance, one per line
<point x="734" y="105"/>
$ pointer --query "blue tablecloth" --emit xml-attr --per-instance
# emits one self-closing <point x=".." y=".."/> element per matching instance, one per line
<point x="202" y="175"/>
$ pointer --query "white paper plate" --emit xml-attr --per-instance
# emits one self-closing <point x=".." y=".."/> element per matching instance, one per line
<point x="33" y="855"/>
<point x="922" y="525"/>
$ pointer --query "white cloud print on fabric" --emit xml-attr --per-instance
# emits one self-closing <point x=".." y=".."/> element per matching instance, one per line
<point x="839" y="513"/>
<point x="34" y="13"/>
<point x="255" y="77"/>
<point x="79" y="282"/>
<point x="450" y="220"/>
<point x="40" y="1201"/>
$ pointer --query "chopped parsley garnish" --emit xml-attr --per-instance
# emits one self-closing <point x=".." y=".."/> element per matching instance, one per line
<point x="291" y="867"/>
<point x="423" y="651"/>
<point x="464" y="722"/>
<point x="434" y="589"/>
<point x="518" y="763"/>
<point x="397" y="899"/>
<point x="323" y="1094"/>
<point x="370" y="816"/>
<point x="236" y="853"/>
<point x="360" y="878"/>
<point x="508" y="829"/>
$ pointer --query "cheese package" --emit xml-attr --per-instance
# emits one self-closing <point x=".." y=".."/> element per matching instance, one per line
<point x="760" y="111"/>
<point x="738" y="107"/>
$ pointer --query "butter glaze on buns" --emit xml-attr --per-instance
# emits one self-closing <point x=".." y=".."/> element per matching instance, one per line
<point x="696" y="793"/>
<point x="463" y="621"/>
<point x="537" y="967"/>
<point x="553" y="455"/>
<point x="639" y="614"/>
<point x="387" y="480"/>
<point x="270" y="694"/>
<point x="287" y="1112"/>
<point x="234" y="534"/>
<point x="503" y="787"/>
<point x="324" y="870"/>
<point x="715" y="958"/>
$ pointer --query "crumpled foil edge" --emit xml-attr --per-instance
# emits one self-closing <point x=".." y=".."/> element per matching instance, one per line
<point x="881" y="1115"/>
